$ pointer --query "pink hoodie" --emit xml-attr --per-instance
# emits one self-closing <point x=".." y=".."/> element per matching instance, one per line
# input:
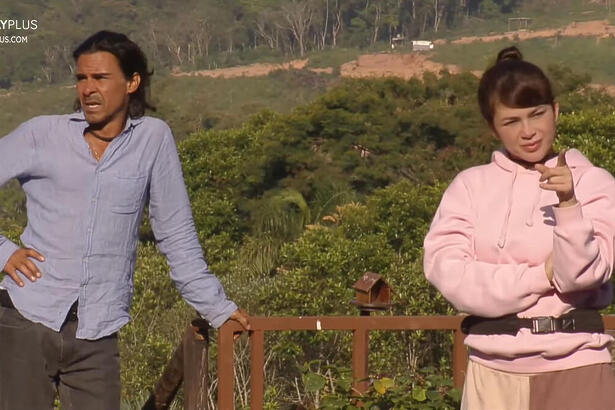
<point x="486" y="253"/>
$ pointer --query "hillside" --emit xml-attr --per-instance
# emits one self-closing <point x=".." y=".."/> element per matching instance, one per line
<point x="596" y="37"/>
<point x="208" y="34"/>
<point x="187" y="104"/>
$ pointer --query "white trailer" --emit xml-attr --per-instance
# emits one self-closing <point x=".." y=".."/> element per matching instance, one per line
<point x="422" y="45"/>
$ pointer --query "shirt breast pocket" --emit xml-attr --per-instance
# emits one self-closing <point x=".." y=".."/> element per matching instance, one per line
<point x="126" y="192"/>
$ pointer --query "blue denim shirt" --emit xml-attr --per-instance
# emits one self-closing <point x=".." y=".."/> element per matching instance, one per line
<point x="84" y="216"/>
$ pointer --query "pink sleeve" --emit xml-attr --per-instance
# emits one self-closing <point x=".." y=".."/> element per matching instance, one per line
<point x="583" y="235"/>
<point x="472" y="286"/>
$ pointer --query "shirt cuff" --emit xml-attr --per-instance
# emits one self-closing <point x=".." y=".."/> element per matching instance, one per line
<point x="6" y="250"/>
<point x="219" y="319"/>
<point x="564" y="216"/>
<point x="541" y="283"/>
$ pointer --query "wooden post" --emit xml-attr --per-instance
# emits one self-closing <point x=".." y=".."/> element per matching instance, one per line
<point x="195" y="366"/>
<point x="257" y="369"/>
<point x="460" y="358"/>
<point x="360" y="354"/>
<point x="226" y="374"/>
<point x="168" y="384"/>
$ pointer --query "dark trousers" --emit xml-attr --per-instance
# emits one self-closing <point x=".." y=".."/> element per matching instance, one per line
<point x="36" y="361"/>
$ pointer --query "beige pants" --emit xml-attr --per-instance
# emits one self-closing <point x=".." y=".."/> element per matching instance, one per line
<point x="584" y="388"/>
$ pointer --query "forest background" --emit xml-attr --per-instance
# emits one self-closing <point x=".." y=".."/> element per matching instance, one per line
<point x="301" y="180"/>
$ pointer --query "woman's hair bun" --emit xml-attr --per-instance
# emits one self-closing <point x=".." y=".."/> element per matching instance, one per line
<point x="509" y="53"/>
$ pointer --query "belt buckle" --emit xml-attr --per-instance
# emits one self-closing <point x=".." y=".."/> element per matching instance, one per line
<point x="568" y="324"/>
<point x="543" y="325"/>
<point x="550" y="324"/>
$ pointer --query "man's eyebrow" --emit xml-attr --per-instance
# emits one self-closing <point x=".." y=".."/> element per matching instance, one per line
<point x="96" y="74"/>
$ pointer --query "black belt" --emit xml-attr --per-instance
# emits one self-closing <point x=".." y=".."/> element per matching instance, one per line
<point x="5" y="301"/>
<point x="575" y="321"/>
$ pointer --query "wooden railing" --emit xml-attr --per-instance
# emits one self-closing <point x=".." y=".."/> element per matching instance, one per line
<point x="359" y="325"/>
<point x="189" y="363"/>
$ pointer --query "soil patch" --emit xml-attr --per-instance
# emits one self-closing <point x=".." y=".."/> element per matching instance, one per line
<point x="394" y="65"/>
<point x="596" y="28"/>
<point x="606" y="88"/>
<point x="252" y="70"/>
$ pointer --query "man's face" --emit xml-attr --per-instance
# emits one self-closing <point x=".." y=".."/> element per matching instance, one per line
<point x="103" y="90"/>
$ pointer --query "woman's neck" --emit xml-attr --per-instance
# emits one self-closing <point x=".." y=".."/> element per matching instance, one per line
<point x="530" y="165"/>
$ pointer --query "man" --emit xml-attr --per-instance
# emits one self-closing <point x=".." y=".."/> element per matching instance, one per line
<point x="87" y="177"/>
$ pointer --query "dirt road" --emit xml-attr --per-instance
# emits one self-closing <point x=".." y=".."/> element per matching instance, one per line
<point x="596" y="28"/>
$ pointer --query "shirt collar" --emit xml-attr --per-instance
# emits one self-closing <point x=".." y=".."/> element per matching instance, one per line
<point x="130" y="122"/>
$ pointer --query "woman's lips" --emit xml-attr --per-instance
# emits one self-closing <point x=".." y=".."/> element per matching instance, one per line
<point x="531" y="147"/>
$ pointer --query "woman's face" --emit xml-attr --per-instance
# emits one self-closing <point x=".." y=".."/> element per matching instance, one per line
<point x="526" y="133"/>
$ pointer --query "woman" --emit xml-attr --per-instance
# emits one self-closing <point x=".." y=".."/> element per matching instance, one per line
<point x="524" y="245"/>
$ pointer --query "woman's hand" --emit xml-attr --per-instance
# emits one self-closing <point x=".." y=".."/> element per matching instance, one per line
<point x="558" y="179"/>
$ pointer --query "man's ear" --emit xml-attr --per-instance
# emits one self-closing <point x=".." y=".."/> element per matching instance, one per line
<point x="134" y="82"/>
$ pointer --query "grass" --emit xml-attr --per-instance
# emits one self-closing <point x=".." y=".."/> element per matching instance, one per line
<point x="186" y="103"/>
<point x="335" y="57"/>
<point x="18" y="105"/>
<point x="192" y="103"/>
<point x="581" y="54"/>
<point x="565" y="13"/>
<point x="543" y="16"/>
<point x="241" y="57"/>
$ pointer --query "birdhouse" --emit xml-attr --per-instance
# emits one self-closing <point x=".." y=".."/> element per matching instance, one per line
<point x="372" y="292"/>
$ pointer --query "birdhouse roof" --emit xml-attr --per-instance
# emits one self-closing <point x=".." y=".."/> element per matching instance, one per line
<point x="368" y="281"/>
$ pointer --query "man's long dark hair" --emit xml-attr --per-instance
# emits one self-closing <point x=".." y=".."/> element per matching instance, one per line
<point x="131" y="59"/>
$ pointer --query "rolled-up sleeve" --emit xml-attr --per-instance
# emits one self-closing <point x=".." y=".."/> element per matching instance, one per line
<point x="173" y="227"/>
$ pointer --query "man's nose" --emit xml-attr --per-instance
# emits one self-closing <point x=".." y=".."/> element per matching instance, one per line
<point x="89" y="86"/>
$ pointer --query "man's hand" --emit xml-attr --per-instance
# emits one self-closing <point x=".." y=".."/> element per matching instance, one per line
<point x="20" y="262"/>
<point x="558" y="179"/>
<point x="241" y="317"/>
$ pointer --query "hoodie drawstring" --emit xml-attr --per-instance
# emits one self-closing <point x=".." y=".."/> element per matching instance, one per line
<point x="529" y="220"/>
<point x="502" y="238"/>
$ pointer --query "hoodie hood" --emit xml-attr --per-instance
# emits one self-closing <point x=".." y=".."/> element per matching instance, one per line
<point x="576" y="161"/>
